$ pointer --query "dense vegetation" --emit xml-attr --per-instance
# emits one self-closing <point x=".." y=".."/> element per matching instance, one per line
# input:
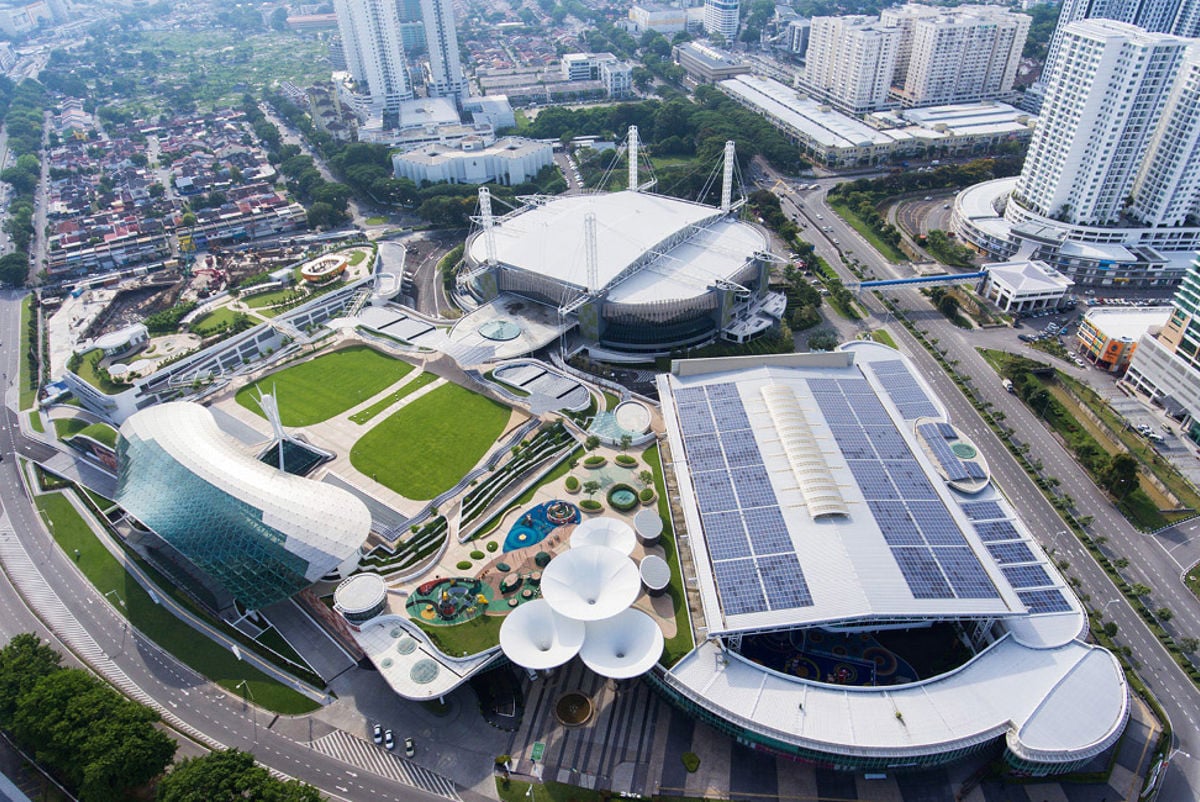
<point x="22" y="105"/>
<point x="97" y="742"/>
<point x="676" y="127"/>
<point x="227" y="776"/>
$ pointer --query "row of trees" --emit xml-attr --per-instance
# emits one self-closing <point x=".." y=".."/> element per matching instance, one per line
<point x="105" y="747"/>
<point x="948" y="176"/>
<point x="23" y="106"/>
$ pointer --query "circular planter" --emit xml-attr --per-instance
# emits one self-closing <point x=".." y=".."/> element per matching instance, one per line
<point x="463" y="565"/>
<point x="622" y="497"/>
<point x="591" y="506"/>
<point x="647" y="496"/>
<point x="572" y="485"/>
<point x="492" y="545"/>
<point x="593" y="462"/>
<point x="477" y="555"/>
<point x="625" y="461"/>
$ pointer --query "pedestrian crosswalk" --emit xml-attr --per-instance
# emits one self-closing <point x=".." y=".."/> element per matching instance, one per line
<point x="369" y="757"/>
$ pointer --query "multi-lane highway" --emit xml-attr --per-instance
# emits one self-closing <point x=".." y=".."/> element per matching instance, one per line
<point x="1150" y="563"/>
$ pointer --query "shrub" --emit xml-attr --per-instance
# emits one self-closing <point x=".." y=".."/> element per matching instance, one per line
<point x="594" y="461"/>
<point x="591" y="505"/>
<point x="476" y="555"/>
<point x="492" y="545"/>
<point x="646" y="495"/>
<point x="626" y="461"/>
<point x="463" y="565"/>
<point x="691" y="761"/>
<point x="572" y="484"/>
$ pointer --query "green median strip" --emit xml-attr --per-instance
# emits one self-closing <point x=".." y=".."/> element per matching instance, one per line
<point x="200" y="653"/>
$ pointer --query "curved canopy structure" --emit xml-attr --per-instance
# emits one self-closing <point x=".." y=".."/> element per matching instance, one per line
<point x="259" y="533"/>
<point x="590" y="583"/>
<point x="624" y="646"/>
<point x="534" y="636"/>
<point x="648" y="523"/>
<point x="611" y="532"/>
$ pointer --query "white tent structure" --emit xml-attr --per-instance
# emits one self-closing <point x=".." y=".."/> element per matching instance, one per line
<point x="611" y="532"/>
<point x="624" y="646"/>
<point x="590" y="583"/>
<point x="534" y="636"/>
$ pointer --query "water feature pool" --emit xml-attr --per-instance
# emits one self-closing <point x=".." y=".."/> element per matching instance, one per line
<point x="533" y="526"/>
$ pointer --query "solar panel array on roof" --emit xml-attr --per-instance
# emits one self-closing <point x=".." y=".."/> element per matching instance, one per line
<point x="754" y="562"/>
<point x="1035" y="587"/>
<point x="983" y="510"/>
<point x="955" y="470"/>
<point x="902" y="387"/>
<point x="925" y="540"/>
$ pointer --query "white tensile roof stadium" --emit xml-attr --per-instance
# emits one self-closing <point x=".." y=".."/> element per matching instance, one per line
<point x="649" y="247"/>
<point x="810" y="500"/>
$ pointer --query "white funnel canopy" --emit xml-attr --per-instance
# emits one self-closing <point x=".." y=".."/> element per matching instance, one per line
<point x="626" y="645"/>
<point x="534" y="636"/>
<point x="590" y="583"/>
<point x="611" y="532"/>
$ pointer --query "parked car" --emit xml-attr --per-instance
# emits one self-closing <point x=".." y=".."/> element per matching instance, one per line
<point x="377" y="734"/>
<point x="389" y="740"/>
<point x="410" y="747"/>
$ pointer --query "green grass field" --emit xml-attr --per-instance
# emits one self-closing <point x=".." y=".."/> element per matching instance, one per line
<point x="66" y="428"/>
<point x="272" y="297"/>
<point x="313" y="391"/>
<point x="681" y="643"/>
<point x="426" y="447"/>
<point x="159" y="624"/>
<point x="886" y="249"/>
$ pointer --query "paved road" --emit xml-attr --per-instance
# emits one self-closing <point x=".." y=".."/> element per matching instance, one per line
<point x="1150" y="561"/>
<point x="275" y="741"/>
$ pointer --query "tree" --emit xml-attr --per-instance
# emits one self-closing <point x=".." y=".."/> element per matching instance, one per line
<point x="1189" y="645"/>
<point x="822" y="340"/>
<point x="1139" y="589"/>
<point x="279" y="19"/>
<point x="227" y="776"/>
<point x="626" y="442"/>
<point x="592" y="442"/>
<point x="1110" y="629"/>
<point x="590" y="487"/>
<point x="101" y="742"/>
<point x="646" y="478"/>
<point x="23" y="662"/>
<point x="14" y="269"/>
<point x="1164" y="614"/>
<point x="1120" y="476"/>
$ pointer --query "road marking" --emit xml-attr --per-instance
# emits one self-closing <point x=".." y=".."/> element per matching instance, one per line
<point x="357" y="752"/>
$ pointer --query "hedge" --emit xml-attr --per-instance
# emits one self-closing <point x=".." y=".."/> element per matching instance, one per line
<point x="594" y="461"/>
<point x="646" y="495"/>
<point x="463" y="565"/>
<point x="572" y="484"/>
<point x="477" y="555"/>
<point x="625" y="461"/>
<point x="590" y="504"/>
<point x="492" y="545"/>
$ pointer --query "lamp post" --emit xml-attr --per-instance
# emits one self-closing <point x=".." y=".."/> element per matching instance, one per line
<point x="248" y="699"/>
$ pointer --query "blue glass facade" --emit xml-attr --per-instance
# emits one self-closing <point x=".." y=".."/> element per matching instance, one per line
<point x="222" y="536"/>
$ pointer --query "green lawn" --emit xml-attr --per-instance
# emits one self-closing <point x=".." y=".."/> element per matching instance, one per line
<point x="69" y="427"/>
<point x="887" y="249"/>
<point x="200" y="653"/>
<point x="214" y="320"/>
<point x="409" y="388"/>
<point x="28" y="384"/>
<point x="357" y="257"/>
<point x="88" y="372"/>
<point x="469" y="637"/>
<point x="429" y="445"/>
<point x="881" y="336"/>
<point x="272" y="297"/>
<point x="679" y="645"/>
<point x="35" y="420"/>
<point x="320" y="388"/>
<point x="101" y="433"/>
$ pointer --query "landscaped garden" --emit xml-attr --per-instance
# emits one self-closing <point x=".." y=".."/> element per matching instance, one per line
<point x="318" y="389"/>
<point x="426" y="447"/>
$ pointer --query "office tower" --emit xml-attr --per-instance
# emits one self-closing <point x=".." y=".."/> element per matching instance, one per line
<point x="1108" y="88"/>
<point x="721" y="16"/>
<point x="850" y="63"/>
<point x="374" y="56"/>
<point x="966" y="54"/>
<point x="445" y="64"/>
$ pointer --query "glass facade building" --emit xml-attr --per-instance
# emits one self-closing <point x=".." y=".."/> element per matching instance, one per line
<point x="256" y="532"/>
